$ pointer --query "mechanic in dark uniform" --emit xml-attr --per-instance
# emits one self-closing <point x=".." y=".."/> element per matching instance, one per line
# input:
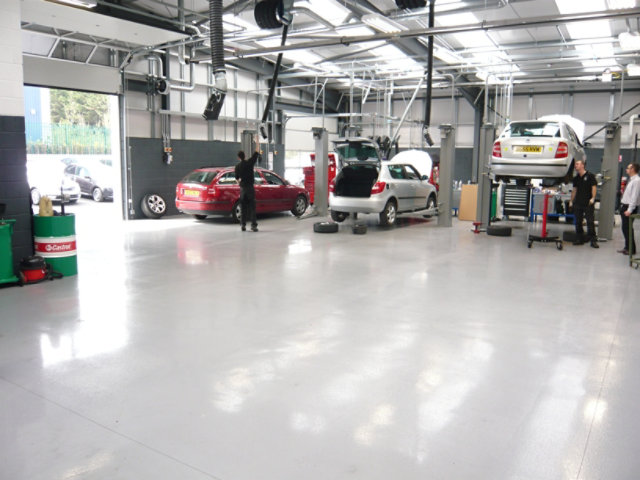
<point x="583" y="198"/>
<point x="245" y="176"/>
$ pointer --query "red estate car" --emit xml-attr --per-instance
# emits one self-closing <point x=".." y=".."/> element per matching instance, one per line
<point x="214" y="191"/>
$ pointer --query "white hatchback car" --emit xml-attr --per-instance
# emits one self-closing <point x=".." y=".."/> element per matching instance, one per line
<point x="366" y="184"/>
<point x="543" y="148"/>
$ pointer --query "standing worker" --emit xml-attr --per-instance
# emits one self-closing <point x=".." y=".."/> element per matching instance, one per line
<point x="245" y="175"/>
<point x="629" y="205"/>
<point x="583" y="198"/>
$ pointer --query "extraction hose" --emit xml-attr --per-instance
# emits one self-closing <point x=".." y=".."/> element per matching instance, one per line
<point x="427" y="108"/>
<point x="215" y="36"/>
<point x="214" y="105"/>
<point x="272" y="88"/>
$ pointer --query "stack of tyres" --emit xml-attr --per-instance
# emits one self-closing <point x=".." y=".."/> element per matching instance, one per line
<point x="55" y="240"/>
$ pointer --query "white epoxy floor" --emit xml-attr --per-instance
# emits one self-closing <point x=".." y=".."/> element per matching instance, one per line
<point x="190" y="350"/>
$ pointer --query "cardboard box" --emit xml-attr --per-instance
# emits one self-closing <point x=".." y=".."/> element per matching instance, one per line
<point x="468" y="203"/>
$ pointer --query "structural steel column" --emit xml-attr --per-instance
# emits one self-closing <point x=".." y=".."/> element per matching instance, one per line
<point x="487" y="135"/>
<point x="320" y="199"/>
<point x="447" y="158"/>
<point x="610" y="180"/>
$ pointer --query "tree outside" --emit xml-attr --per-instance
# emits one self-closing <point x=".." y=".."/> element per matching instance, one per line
<point x="79" y="108"/>
<point x="80" y="123"/>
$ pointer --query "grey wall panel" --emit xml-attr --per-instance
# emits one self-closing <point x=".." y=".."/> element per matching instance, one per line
<point x="14" y="188"/>
<point x="60" y="74"/>
<point x="149" y="174"/>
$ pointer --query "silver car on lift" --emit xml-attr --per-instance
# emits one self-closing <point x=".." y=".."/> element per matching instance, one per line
<point x="544" y="148"/>
<point x="366" y="184"/>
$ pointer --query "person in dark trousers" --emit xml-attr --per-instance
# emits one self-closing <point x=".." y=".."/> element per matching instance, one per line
<point x="245" y="176"/>
<point x="583" y="198"/>
<point x="629" y="204"/>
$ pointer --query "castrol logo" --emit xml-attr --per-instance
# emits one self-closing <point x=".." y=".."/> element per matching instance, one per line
<point x="55" y="246"/>
<point x="52" y="247"/>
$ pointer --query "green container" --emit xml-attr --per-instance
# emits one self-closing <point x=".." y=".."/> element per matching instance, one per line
<point x="55" y="240"/>
<point x="6" y="252"/>
<point x="494" y="202"/>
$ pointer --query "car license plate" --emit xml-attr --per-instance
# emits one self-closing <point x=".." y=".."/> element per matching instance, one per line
<point x="527" y="149"/>
<point x="191" y="193"/>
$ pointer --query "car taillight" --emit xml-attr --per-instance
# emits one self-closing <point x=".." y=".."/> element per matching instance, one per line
<point x="332" y="186"/>
<point x="378" y="188"/>
<point x="496" y="150"/>
<point x="562" y="151"/>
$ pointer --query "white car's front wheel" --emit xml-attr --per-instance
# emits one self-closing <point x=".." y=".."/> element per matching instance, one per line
<point x="388" y="215"/>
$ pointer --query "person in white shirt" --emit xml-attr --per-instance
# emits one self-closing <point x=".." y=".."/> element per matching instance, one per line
<point x="629" y="205"/>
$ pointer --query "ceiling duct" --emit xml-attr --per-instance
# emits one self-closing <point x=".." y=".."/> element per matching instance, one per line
<point x="214" y="105"/>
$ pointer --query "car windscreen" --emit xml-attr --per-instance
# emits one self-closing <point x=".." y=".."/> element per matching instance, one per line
<point x="357" y="152"/>
<point x="533" y="129"/>
<point x="203" y="178"/>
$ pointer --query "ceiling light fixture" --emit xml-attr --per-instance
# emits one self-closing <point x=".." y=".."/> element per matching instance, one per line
<point x="629" y="41"/>
<point x="77" y="3"/>
<point x="607" y="76"/>
<point x="633" y="70"/>
<point x="382" y="24"/>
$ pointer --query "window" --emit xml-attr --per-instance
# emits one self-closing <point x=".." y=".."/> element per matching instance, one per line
<point x="396" y="171"/>
<point x="204" y="178"/>
<point x="228" y="178"/>
<point x="411" y="173"/>
<point x="272" y="179"/>
<point x="257" y="179"/>
<point x="533" y="129"/>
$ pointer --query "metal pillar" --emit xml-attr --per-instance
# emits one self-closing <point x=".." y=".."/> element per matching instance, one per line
<point x="320" y="196"/>
<point x="487" y="136"/>
<point x="447" y="156"/>
<point x="610" y="180"/>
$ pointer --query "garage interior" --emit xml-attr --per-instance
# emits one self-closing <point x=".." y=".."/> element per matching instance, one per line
<point x="189" y="349"/>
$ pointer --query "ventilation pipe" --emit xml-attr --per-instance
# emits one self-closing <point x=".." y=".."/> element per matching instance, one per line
<point x="214" y="105"/>
<point x="427" y="108"/>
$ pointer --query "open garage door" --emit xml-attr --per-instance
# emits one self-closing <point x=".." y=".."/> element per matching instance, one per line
<point x="73" y="154"/>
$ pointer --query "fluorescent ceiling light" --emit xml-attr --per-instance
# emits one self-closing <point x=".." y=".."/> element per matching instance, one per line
<point x="393" y="58"/>
<point x="293" y="55"/>
<point x="589" y="29"/>
<point x="466" y="39"/>
<point x="330" y="10"/>
<point x="78" y="3"/>
<point x="582" y="6"/>
<point x="607" y="76"/>
<point x="447" y="56"/>
<point x="382" y="24"/>
<point x="357" y="31"/>
<point x="619" y="4"/>
<point x="633" y="70"/>
<point x="239" y="22"/>
<point x="629" y="41"/>
<point x="602" y="56"/>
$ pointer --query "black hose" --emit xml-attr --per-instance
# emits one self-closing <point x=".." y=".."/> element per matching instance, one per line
<point x="215" y="36"/>
<point x="274" y="80"/>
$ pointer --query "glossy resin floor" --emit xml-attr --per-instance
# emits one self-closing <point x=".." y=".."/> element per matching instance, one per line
<point x="189" y="350"/>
